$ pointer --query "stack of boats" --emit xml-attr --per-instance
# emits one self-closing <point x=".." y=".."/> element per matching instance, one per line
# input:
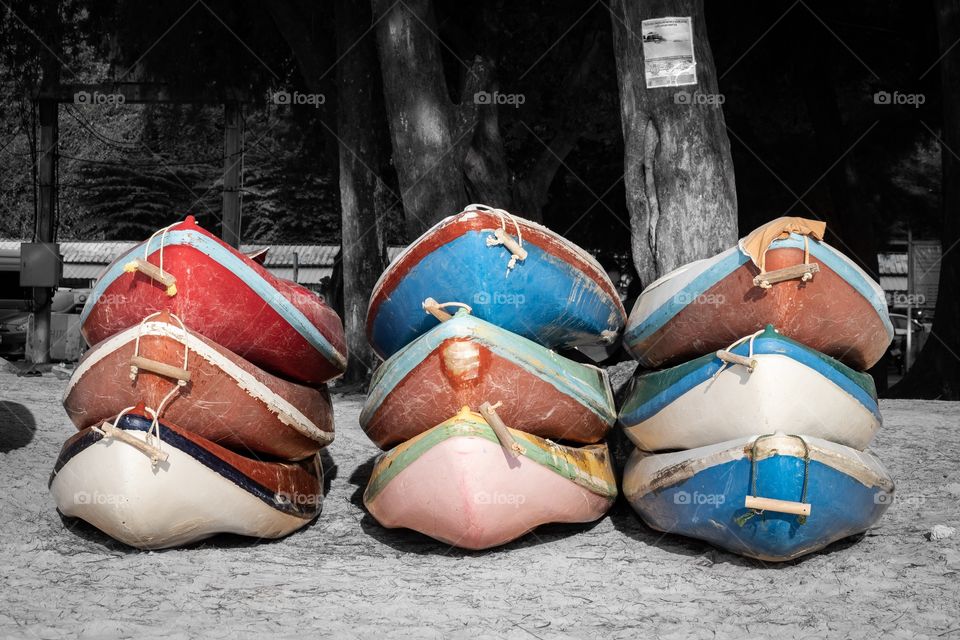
<point x="488" y="432"/>
<point x="751" y="433"/>
<point x="201" y="407"/>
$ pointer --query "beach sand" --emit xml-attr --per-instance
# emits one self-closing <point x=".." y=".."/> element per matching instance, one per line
<point x="345" y="575"/>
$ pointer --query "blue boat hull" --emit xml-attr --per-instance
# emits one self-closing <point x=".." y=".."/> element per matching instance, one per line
<point x="544" y="298"/>
<point x="709" y="505"/>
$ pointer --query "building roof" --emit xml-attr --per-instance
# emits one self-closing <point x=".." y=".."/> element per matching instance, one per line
<point x="892" y="264"/>
<point x="87" y="260"/>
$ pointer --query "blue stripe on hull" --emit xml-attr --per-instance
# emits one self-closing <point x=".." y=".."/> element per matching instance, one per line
<point x="768" y="343"/>
<point x="235" y="264"/>
<point x="543" y="298"/>
<point x="702" y="283"/>
<point x="706" y="506"/>
<point x="571" y="378"/>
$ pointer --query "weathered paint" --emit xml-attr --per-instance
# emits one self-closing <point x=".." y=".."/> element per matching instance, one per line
<point x="200" y="490"/>
<point x="466" y="361"/>
<point x="706" y="305"/>
<point x="558" y="296"/>
<point x="793" y="388"/>
<point x="458" y="484"/>
<point x="227" y="400"/>
<point x="224" y="295"/>
<point x="700" y="493"/>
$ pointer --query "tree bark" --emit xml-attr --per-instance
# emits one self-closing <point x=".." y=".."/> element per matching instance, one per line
<point x="360" y="122"/>
<point x="447" y="154"/>
<point x="363" y="247"/>
<point x="679" y="172"/>
<point x="936" y="374"/>
<point x="423" y="123"/>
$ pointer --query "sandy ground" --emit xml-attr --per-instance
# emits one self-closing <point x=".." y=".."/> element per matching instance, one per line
<point x="346" y="576"/>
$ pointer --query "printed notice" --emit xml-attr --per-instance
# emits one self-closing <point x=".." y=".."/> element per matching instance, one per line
<point x="668" y="52"/>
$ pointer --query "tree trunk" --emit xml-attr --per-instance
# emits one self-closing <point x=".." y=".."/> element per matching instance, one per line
<point x="423" y="122"/>
<point x="679" y="172"/>
<point x="936" y="374"/>
<point x="363" y="248"/>
<point x="360" y="109"/>
<point x="447" y="154"/>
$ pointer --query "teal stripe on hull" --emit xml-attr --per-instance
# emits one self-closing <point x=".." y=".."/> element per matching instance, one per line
<point x="588" y="385"/>
<point x="706" y="280"/>
<point x="652" y="392"/>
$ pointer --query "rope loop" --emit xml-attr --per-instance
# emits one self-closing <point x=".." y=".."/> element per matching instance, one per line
<point x="500" y="237"/>
<point x="801" y="519"/>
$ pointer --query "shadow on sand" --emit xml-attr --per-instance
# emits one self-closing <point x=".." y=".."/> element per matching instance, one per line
<point x="17" y="426"/>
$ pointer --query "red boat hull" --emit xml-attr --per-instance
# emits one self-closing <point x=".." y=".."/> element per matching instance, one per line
<point x="227" y="400"/>
<point x="826" y="314"/>
<point x="228" y="298"/>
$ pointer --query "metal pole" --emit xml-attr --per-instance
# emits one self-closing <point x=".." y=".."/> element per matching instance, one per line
<point x="910" y="289"/>
<point x="38" y="345"/>
<point x="232" y="166"/>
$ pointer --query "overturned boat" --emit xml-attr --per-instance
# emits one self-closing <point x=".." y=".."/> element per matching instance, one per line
<point x="466" y="361"/>
<point x="202" y="387"/>
<point x="475" y="486"/>
<point x="154" y="485"/>
<point x="781" y="274"/>
<point x="514" y="273"/>
<point x="764" y="382"/>
<point x="224" y="295"/>
<point x="774" y="497"/>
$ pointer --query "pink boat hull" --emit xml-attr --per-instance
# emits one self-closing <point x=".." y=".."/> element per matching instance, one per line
<point x="470" y="493"/>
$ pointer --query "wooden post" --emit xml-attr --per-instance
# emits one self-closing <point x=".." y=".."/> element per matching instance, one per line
<point x="38" y="345"/>
<point x="232" y="167"/>
<point x="908" y="346"/>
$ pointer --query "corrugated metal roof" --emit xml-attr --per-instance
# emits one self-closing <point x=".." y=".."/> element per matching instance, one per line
<point x="893" y="283"/>
<point x="278" y="255"/>
<point x="307" y="254"/>
<point x="892" y="264"/>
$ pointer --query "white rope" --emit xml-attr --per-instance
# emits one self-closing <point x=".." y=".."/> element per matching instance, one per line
<point x="739" y="341"/>
<point x="134" y="370"/>
<point x="157" y="451"/>
<point x="493" y="240"/>
<point x="163" y="236"/>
